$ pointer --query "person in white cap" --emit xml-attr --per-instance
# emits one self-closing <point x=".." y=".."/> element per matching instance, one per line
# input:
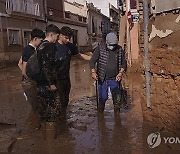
<point x="111" y="64"/>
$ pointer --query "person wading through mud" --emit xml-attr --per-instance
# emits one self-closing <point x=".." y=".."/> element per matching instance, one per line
<point x="111" y="64"/>
<point x="48" y="106"/>
<point x="65" y="49"/>
<point x="29" y="86"/>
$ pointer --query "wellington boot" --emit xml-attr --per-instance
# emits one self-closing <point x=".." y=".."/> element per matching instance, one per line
<point x="116" y="109"/>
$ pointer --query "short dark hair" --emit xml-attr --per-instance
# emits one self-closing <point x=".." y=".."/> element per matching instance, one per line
<point x="37" y="33"/>
<point x="67" y="31"/>
<point x="52" y="28"/>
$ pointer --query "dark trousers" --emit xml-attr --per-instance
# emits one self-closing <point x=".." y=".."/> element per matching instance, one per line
<point x="30" y="89"/>
<point x="64" y="87"/>
<point x="48" y="105"/>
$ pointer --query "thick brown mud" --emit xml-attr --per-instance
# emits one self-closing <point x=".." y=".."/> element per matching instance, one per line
<point x="84" y="131"/>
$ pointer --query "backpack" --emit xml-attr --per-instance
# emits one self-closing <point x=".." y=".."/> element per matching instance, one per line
<point x="33" y="69"/>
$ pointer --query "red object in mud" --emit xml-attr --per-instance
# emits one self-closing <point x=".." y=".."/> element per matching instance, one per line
<point x="129" y="16"/>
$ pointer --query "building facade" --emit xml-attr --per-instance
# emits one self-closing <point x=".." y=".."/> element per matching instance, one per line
<point x="114" y="18"/>
<point x="17" y="19"/>
<point x="69" y="15"/>
<point x="98" y="24"/>
<point x="106" y="25"/>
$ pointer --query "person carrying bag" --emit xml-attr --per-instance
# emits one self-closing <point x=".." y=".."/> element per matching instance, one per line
<point x="111" y="64"/>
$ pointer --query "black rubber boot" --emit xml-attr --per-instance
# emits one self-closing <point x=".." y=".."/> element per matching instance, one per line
<point x="116" y="108"/>
<point x="62" y="116"/>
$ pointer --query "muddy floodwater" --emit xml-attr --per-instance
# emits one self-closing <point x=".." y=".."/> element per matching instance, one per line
<point x="84" y="131"/>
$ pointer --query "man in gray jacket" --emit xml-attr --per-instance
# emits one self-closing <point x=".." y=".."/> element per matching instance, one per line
<point x="111" y="64"/>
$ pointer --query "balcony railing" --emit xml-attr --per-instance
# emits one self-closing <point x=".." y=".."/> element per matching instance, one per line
<point x="22" y="6"/>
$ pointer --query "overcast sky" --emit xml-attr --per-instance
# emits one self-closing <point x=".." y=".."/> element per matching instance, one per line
<point x="101" y="4"/>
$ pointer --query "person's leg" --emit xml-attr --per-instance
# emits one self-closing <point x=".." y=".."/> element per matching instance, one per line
<point x="30" y="89"/>
<point x="49" y="110"/>
<point x="64" y="87"/>
<point x="66" y="101"/>
<point x="48" y="105"/>
<point x="103" y="95"/>
<point x="114" y="84"/>
<point x="61" y="86"/>
<point x="67" y="92"/>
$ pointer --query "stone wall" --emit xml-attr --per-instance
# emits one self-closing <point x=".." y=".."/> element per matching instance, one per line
<point x="165" y="73"/>
<point x="165" y="30"/>
<point x="164" y="57"/>
<point x="165" y="89"/>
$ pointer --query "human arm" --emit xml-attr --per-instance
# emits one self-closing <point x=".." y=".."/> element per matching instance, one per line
<point x="20" y="63"/>
<point x="26" y="54"/>
<point x="122" y="66"/>
<point x="24" y="68"/>
<point x="84" y="56"/>
<point x="93" y="61"/>
<point x="74" y="51"/>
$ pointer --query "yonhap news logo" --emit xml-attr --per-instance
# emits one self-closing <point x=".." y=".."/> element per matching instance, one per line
<point x="155" y="139"/>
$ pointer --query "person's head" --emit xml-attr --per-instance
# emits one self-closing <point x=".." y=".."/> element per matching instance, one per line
<point x="52" y="33"/>
<point x="37" y="35"/>
<point x="111" y="40"/>
<point x="65" y="34"/>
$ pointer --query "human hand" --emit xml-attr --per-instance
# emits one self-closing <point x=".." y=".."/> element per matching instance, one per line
<point x="94" y="76"/>
<point x="119" y="77"/>
<point x="53" y="88"/>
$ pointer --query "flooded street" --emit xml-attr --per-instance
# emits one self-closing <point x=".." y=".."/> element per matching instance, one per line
<point x="84" y="131"/>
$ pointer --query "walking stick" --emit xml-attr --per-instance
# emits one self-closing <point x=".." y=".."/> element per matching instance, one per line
<point x="97" y="93"/>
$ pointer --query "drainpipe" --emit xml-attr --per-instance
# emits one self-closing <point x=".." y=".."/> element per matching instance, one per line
<point x="45" y="11"/>
<point x="128" y="39"/>
<point x="146" y="52"/>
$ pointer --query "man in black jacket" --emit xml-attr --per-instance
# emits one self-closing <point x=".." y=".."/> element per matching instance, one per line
<point x="65" y="50"/>
<point x="111" y="64"/>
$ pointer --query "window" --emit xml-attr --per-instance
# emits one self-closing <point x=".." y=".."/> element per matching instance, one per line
<point x="80" y="18"/>
<point x="133" y="4"/>
<point x="27" y="37"/>
<point x="94" y="25"/>
<point x="67" y="15"/>
<point x="84" y="19"/>
<point x="102" y="25"/>
<point x="13" y="36"/>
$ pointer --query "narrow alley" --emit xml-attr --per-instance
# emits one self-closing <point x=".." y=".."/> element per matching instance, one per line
<point x="85" y="131"/>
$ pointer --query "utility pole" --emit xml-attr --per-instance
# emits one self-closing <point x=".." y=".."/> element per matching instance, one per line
<point x="146" y="52"/>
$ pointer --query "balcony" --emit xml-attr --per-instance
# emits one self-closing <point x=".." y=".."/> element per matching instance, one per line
<point x="25" y="7"/>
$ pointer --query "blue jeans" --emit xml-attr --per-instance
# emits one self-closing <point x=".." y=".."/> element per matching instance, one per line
<point x="103" y="89"/>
